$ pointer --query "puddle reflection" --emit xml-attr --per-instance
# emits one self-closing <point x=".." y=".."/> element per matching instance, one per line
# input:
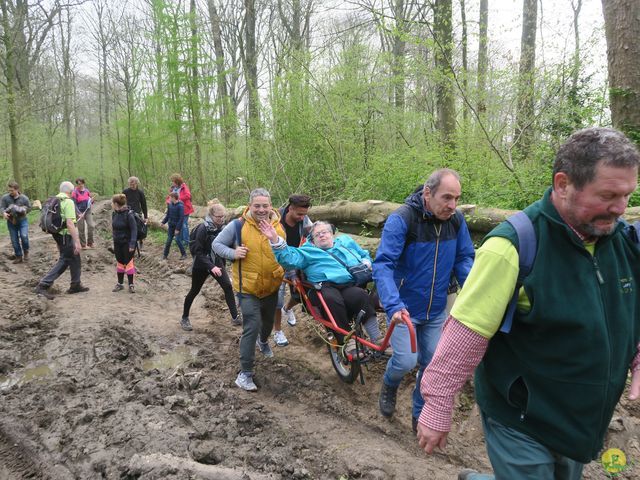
<point x="170" y="359"/>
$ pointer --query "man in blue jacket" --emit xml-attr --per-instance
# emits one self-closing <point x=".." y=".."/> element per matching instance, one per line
<point x="423" y="243"/>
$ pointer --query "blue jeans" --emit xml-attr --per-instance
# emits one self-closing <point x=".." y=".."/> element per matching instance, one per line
<point x="403" y="361"/>
<point x="171" y="233"/>
<point x="184" y="231"/>
<point x="19" y="234"/>
<point x="516" y="455"/>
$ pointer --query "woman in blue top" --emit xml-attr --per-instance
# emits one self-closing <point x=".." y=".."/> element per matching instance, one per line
<point x="324" y="260"/>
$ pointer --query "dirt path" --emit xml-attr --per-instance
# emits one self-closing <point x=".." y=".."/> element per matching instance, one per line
<point x="106" y="385"/>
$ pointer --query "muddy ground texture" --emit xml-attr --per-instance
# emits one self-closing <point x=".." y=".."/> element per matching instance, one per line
<point x="107" y="385"/>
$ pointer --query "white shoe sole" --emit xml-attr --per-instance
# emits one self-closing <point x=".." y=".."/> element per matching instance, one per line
<point x="239" y="385"/>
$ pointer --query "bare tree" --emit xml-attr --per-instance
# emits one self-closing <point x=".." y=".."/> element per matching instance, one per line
<point x="623" y="55"/>
<point x="483" y="57"/>
<point x="526" y="77"/>
<point x="444" y="91"/>
<point x="25" y="28"/>
<point x="193" y="86"/>
<point x="250" y="58"/>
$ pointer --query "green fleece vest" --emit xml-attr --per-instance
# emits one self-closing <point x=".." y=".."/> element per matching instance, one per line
<point x="558" y="375"/>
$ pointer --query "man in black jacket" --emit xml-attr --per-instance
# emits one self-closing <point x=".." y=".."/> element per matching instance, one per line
<point x="206" y="262"/>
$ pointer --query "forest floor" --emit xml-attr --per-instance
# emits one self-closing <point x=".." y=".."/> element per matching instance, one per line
<point x="107" y="385"/>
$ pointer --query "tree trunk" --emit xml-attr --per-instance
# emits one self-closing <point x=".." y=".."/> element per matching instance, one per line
<point x="483" y="56"/>
<point x="444" y="90"/>
<point x="575" y="74"/>
<point x="622" y="27"/>
<point x="226" y="121"/>
<point x="526" y="78"/>
<point x="465" y="71"/>
<point x="194" y="100"/>
<point x="251" y="69"/>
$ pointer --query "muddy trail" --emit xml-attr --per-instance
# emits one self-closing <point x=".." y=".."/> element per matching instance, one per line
<point x="107" y="385"/>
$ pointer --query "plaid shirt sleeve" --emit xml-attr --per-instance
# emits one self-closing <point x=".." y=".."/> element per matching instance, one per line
<point x="458" y="353"/>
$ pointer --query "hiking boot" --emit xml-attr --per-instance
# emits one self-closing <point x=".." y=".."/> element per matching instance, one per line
<point x="186" y="324"/>
<point x="25" y="255"/>
<point x="184" y="256"/>
<point x="290" y="316"/>
<point x="245" y="382"/>
<point x="387" y="400"/>
<point x="237" y="321"/>
<point x="18" y="260"/>
<point x="165" y="258"/>
<point x="77" y="288"/>
<point x="280" y="338"/>
<point x="132" y="288"/>
<point x="44" y="291"/>
<point x="89" y="245"/>
<point x="265" y="348"/>
<point x="467" y="474"/>
<point x="118" y="287"/>
<point x="414" y="424"/>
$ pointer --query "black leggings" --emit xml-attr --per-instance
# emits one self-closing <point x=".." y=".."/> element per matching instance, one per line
<point x="198" y="277"/>
<point x="123" y="256"/>
<point x="344" y="302"/>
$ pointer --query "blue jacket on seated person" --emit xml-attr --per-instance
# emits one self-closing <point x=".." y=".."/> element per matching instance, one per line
<point x="318" y="265"/>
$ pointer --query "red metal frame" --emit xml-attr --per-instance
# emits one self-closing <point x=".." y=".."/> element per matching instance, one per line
<point x="329" y="322"/>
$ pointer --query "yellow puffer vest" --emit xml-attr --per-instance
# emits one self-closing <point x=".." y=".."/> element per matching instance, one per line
<point x="261" y="274"/>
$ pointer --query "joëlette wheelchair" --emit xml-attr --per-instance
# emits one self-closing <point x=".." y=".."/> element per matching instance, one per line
<point x="346" y="365"/>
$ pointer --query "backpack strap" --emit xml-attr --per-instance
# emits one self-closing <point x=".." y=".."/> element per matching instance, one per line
<point x="527" y="247"/>
<point x="238" y="223"/>
<point x="632" y="230"/>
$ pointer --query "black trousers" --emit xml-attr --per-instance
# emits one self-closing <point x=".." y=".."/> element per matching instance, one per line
<point x="344" y="302"/>
<point x="198" y="277"/>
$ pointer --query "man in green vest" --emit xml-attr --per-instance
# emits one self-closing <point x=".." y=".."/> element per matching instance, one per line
<point x="548" y="388"/>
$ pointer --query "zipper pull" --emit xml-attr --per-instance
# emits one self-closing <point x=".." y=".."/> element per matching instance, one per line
<point x="598" y="273"/>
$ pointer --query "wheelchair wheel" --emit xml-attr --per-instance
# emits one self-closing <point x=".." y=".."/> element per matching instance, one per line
<point x="346" y="370"/>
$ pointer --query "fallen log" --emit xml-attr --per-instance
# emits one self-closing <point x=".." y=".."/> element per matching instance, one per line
<point x="373" y="213"/>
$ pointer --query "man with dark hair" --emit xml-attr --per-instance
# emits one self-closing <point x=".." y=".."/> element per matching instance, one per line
<point x="15" y="206"/>
<point x="296" y="225"/>
<point x="547" y="388"/>
<point x="423" y="243"/>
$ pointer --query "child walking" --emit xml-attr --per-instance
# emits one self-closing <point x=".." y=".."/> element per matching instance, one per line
<point x="175" y="219"/>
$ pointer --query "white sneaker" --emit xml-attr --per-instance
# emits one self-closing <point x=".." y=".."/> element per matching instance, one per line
<point x="289" y="315"/>
<point x="280" y="338"/>
<point x="245" y="382"/>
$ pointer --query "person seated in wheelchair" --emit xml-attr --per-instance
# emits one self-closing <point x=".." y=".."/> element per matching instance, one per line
<point x="335" y="264"/>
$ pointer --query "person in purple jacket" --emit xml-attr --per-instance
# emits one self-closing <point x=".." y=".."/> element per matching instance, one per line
<point x="83" y="199"/>
<point x="175" y="219"/>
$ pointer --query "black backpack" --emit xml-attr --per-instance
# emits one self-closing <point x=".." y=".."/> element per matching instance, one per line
<point x="193" y="234"/>
<point x="140" y="226"/>
<point x="51" y="216"/>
